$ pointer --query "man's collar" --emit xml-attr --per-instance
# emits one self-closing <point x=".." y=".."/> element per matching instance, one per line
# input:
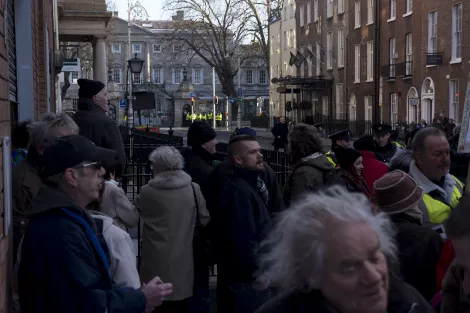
<point x="425" y="182"/>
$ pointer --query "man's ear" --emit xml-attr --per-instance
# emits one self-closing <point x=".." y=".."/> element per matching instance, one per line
<point x="238" y="160"/>
<point x="71" y="177"/>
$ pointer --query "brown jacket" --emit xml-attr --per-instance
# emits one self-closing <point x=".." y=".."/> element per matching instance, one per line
<point x="168" y="210"/>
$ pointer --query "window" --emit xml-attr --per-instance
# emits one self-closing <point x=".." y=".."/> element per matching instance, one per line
<point x="392" y="56"/>
<point x="409" y="54"/>
<point x="285" y="14"/>
<point x="370" y="11"/>
<point x="137" y="78"/>
<point x="324" y="105"/>
<point x="197" y="76"/>
<point x="368" y="108"/>
<point x="176" y="48"/>
<point x="74" y="76"/>
<point x="289" y="38"/>
<point x="340" y="6"/>
<point x="285" y="40"/>
<point x="315" y="10"/>
<point x="370" y="61"/>
<point x="329" y="50"/>
<point x="357" y="14"/>
<point x="409" y="6"/>
<point x="309" y="12"/>
<point x="136" y="48"/>
<point x="301" y="13"/>
<point x="278" y="42"/>
<point x="432" y="32"/>
<point x="249" y="76"/>
<point x="339" y="101"/>
<point x="340" y="47"/>
<point x="310" y="62"/>
<point x="262" y="77"/>
<point x="117" y="74"/>
<point x="454" y="100"/>
<point x="292" y="9"/>
<point x="393" y="9"/>
<point x="318" y="68"/>
<point x="157" y="75"/>
<point x="157" y="48"/>
<point x="352" y="108"/>
<point x="116" y="48"/>
<point x="292" y="37"/>
<point x="329" y="8"/>
<point x="177" y="75"/>
<point x="357" y="63"/>
<point x="457" y="32"/>
<point x="393" y="108"/>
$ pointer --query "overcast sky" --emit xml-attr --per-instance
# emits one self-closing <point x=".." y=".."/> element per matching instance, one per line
<point x="153" y="7"/>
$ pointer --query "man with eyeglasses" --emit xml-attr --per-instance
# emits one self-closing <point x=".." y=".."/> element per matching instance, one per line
<point x="63" y="267"/>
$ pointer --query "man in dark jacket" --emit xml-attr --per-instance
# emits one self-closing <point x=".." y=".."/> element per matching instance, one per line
<point x="63" y="267"/>
<point x="379" y="143"/>
<point x="93" y="122"/>
<point x="243" y="222"/>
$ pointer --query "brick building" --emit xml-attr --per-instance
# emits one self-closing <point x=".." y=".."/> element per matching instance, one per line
<point x="430" y="61"/>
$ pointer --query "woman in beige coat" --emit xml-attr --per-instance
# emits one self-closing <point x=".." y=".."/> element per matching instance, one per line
<point x="167" y="206"/>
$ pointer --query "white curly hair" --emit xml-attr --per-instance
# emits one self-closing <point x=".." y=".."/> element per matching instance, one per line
<point x="166" y="158"/>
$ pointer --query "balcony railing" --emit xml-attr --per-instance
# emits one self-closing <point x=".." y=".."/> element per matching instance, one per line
<point x="435" y="58"/>
<point x="404" y="69"/>
<point x="388" y="71"/>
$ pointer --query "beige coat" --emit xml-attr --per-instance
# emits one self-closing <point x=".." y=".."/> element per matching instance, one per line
<point x="167" y="208"/>
<point x="117" y="206"/>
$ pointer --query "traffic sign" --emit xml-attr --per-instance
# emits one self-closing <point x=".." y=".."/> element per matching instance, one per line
<point x="191" y="94"/>
<point x="240" y="92"/>
<point x="122" y="103"/>
<point x="230" y="100"/>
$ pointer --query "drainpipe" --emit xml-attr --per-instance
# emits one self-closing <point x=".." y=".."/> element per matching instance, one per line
<point x="377" y="63"/>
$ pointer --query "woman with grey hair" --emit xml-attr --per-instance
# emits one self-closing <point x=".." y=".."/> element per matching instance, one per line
<point x="171" y="207"/>
<point x="329" y="253"/>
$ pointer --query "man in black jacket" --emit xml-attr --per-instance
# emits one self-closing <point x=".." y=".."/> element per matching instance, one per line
<point x="93" y="122"/>
<point x="63" y="267"/>
<point x="243" y="222"/>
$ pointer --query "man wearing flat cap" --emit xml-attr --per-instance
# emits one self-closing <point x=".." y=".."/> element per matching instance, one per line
<point x="379" y="143"/>
<point x="341" y="139"/>
<point x="93" y="122"/>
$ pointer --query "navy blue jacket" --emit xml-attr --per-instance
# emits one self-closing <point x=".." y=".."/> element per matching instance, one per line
<point x="62" y="267"/>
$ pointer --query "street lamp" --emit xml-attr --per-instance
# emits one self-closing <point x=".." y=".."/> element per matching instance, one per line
<point x="135" y="66"/>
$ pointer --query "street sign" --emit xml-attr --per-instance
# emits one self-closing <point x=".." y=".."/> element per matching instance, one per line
<point x="240" y="92"/>
<point x="230" y="100"/>
<point x="71" y="65"/>
<point x="122" y="103"/>
<point x="191" y="94"/>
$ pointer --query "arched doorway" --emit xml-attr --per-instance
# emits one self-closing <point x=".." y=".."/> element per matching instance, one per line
<point x="352" y="107"/>
<point x="412" y="103"/>
<point x="427" y="100"/>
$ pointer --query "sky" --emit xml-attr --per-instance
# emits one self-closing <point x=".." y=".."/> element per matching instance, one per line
<point x="153" y="7"/>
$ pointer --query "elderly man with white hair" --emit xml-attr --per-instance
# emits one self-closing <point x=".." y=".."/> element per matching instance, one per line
<point x="173" y="210"/>
<point x="330" y="254"/>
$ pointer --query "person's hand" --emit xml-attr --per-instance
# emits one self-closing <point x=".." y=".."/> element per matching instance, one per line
<point x="260" y="284"/>
<point x="155" y="292"/>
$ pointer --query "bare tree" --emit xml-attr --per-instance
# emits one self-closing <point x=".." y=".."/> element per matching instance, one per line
<point x="74" y="50"/>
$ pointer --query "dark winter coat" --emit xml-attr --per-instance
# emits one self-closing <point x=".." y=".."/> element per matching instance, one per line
<point x="95" y="125"/>
<point x="383" y="154"/>
<point x="63" y="267"/>
<point x="419" y="249"/>
<point x="280" y="131"/>
<point x="198" y="164"/>
<point x="402" y="298"/>
<point x="242" y="225"/>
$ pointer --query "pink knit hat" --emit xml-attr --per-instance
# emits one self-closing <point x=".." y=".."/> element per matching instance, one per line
<point x="395" y="192"/>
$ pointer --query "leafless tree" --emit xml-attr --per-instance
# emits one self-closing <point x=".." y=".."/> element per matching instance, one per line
<point x="74" y="50"/>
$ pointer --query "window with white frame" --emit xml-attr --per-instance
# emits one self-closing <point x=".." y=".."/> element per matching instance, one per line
<point x="329" y="8"/>
<point x="116" y="48"/>
<point x="352" y="108"/>
<point x="262" y="77"/>
<point x="318" y="61"/>
<point x="329" y="50"/>
<point x="117" y="75"/>
<point x="393" y="108"/>
<point x="310" y="62"/>
<point x="339" y="101"/>
<point x="157" y="48"/>
<point x="285" y="40"/>
<point x="289" y="32"/>
<point x="324" y="105"/>
<point x="368" y="108"/>
<point x="293" y="40"/>
<point x="454" y="99"/>
<point x="157" y="75"/>
<point x="392" y="56"/>
<point x="357" y="14"/>
<point x="292" y="8"/>
<point x="408" y="54"/>
<point x="197" y="76"/>
<point x="136" y="48"/>
<point x="249" y="77"/>
<point x="370" y="11"/>
<point x="137" y="78"/>
<point x="432" y="32"/>
<point x="370" y="61"/>
<point x="177" y="75"/>
<point x="309" y="12"/>
<point x="457" y="32"/>
<point x="340" y="6"/>
<point x="176" y="48"/>
<point x="393" y="9"/>
<point x="357" y="63"/>
<point x="315" y="11"/>
<point x="341" y="47"/>
<point x="301" y="13"/>
<point x="409" y="6"/>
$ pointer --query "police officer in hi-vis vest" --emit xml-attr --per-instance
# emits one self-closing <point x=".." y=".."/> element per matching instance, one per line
<point x="341" y="139"/>
<point x="430" y="169"/>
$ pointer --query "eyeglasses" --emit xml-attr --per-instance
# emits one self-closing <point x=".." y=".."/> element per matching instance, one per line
<point x="95" y="165"/>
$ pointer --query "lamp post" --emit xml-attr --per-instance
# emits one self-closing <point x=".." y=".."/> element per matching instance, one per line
<point x="135" y="66"/>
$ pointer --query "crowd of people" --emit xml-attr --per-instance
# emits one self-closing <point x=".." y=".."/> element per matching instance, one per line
<point x="366" y="227"/>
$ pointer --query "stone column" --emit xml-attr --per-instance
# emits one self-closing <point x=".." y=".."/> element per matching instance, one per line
<point x="99" y="58"/>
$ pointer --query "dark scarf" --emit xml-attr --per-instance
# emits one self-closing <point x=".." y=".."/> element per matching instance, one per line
<point x="85" y="104"/>
<point x="357" y="182"/>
